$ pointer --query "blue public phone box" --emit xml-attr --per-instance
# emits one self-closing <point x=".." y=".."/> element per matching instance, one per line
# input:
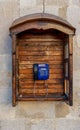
<point x="41" y="71"/>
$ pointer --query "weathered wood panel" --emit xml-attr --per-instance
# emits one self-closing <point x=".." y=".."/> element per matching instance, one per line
<point x="39" y="43"/>
<point x="53" y="81"/>
<point x="50" y="66"/>
<point x="41" y="86"/>
<point x="40" y="53"/>
<point x="40" y="49"/>
<point x="30" y="76"/>
<point x="40" y="91"/>
<point x="14" y="70"/>
<point x="46" y="36"/>
<point x="30" y="71"/>
<point x="45" y="61"/>
<point x="71" y="70"/>
<point x="40" y="58"/>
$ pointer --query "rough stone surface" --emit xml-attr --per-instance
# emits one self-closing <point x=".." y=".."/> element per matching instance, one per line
<point x="5" y="95"/>
<point x="73" y="16"/>
<point x="9" y="11"/>
<point x="57" y="2"/>
<point x="68" y="124"/>
<point x="5" y="71"/>
<point x="61" y="111"/>
<point x="62" y="12"/>
<point x="78" y="41"/>
<point x="30" y="6"/>
<point x="76" y="2"/>
<point x="43" y="125"/>
<point x="8" y="110"/>
<point x="51" y="9"/>
<point x="17" y="124"/>
<point x="37" y="115"/>
<point x="44" y="110"/>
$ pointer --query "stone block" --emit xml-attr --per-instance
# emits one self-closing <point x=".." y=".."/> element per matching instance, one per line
<point x="5" y="79"/>
<point x="39" y="2"/>
<point x="76" y="57"/>
<point x="5" y="71"/>
<point x="5" y="40"/>
<point x="30" y="7"/>
<point x="76" y="2"/>
<point x="68" y="124"/>
<point x="17" y="124"/>
<point x="57" y="2"/>
<point x="5" y="95"/>
<point x="51" y="9"/>
<point x="46" y="124"/>
<point x="63" y="11"/>
<point x="35" y="110"/>
<point x="73" y="16"/>
<point x="76" y="61"/>
<point x="76" y="74"/>
<point x="5" y="63"/>
<point x="61" y="109"/>
<point x="7" y="112"/>
<point x="78" y="40"/>
<point x="9" y="11"/>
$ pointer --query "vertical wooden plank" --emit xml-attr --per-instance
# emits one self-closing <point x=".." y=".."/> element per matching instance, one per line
<point x="66" y="61"/>
<point x="13" y="70"/>
<point x="64" y="68"/>
<point x="65" y="85"/>
<point x="17" y="71"/>
<point x="70" y="70"/>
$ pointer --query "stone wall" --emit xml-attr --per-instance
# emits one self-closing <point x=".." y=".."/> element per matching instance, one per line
<point x="37" y="115"/>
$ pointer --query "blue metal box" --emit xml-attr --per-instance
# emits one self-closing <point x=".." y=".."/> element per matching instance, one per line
<point x="41" y="71"/>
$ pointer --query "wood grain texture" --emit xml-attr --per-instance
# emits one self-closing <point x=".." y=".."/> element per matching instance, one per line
<point x="13" y="71"/>
<point x="30" y="76"/>
<point x="41" y="20"/>
<point x="40" y="53"/>
<point x="40" y="38"/>
<point x="40" y="91"/>
<point x="40" y="58"/>
<point x="71" y="70"/>
<point x="39" y="62"/>
<point x="41" y="86"/>
<point x="30" y="71"/>
<point x="57" y="66"/>
<point x="40" y="49"/>
<point x="53" y="81"/>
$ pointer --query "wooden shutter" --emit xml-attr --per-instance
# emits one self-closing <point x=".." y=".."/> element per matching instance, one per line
<point x="13" y="70"/>
<point x="68" y="70"/>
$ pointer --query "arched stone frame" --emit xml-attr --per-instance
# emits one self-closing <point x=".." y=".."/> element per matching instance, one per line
<point x="43" y="22"/>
